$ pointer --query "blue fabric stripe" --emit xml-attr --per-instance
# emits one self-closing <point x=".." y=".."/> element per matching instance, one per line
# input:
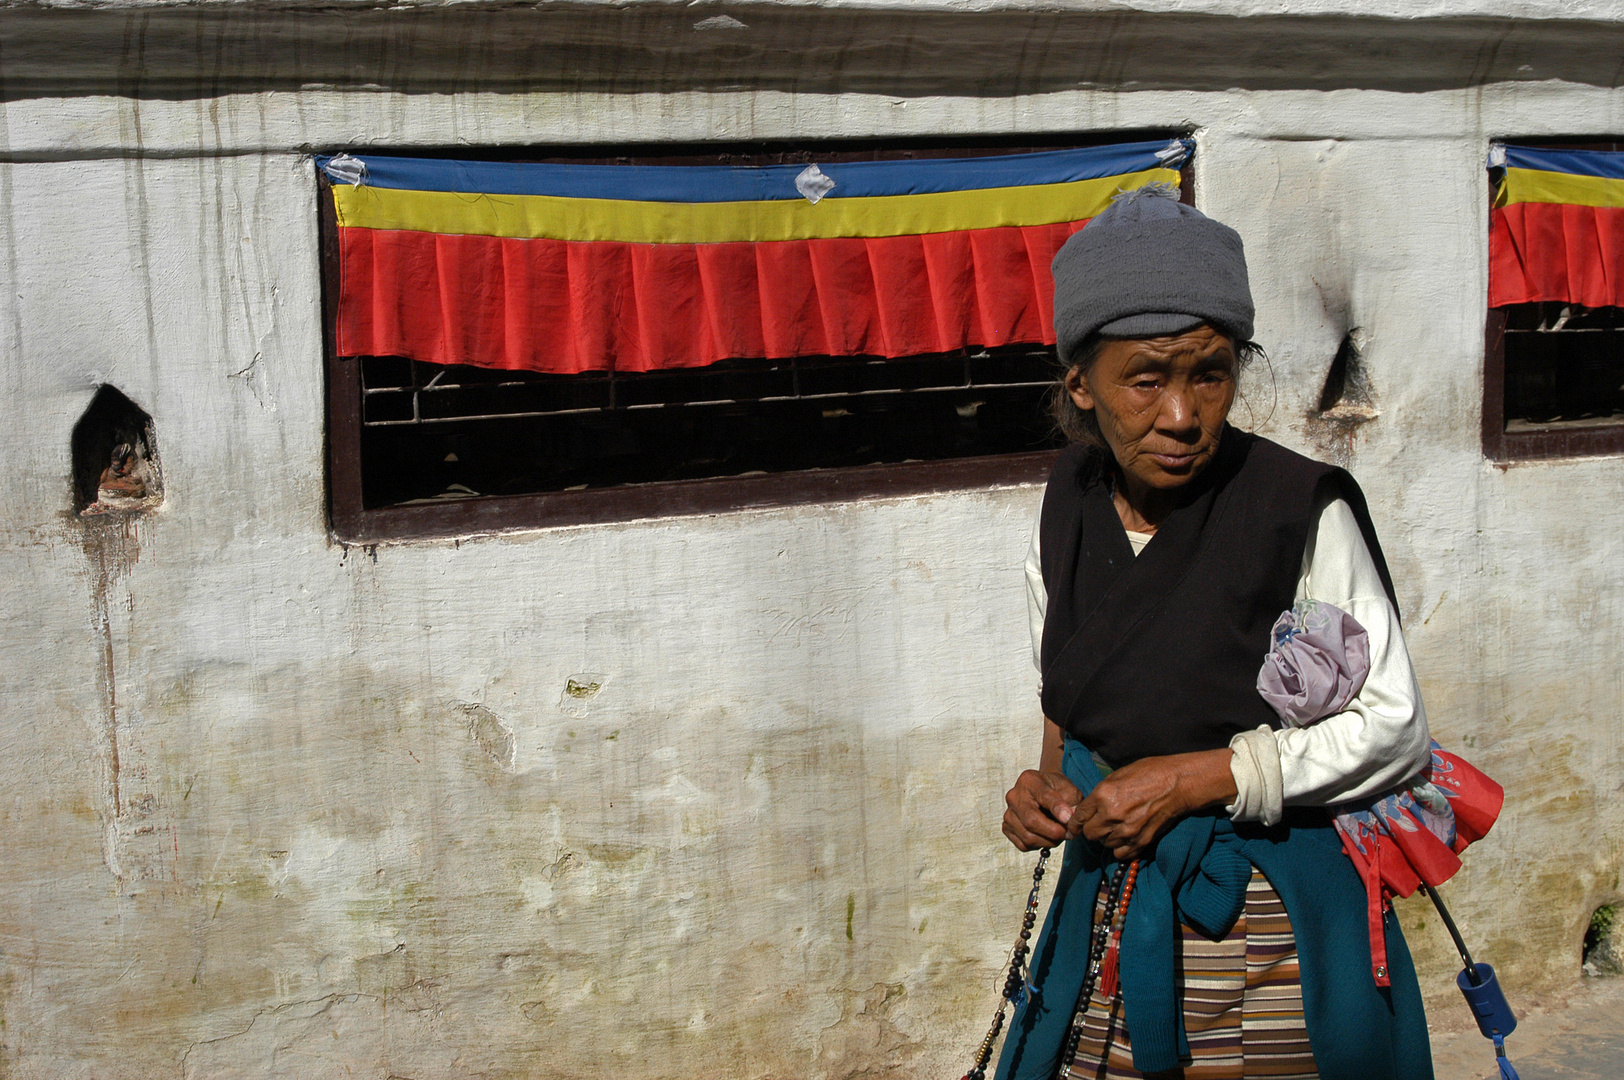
<point x="712" y="183"/>
<point x="1602" y="163"/>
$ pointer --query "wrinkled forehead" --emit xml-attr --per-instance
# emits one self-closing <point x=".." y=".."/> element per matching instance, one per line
<point x="1196" y="345"/>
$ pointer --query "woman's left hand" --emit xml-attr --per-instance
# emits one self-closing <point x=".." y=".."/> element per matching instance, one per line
<point x="1135" y="804"/>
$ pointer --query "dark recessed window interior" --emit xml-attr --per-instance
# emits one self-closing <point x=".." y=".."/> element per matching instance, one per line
<point x="1564" y="367"/>
<point x="436" y="432"/>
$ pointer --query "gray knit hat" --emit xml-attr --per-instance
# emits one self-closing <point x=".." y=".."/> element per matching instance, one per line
<point x="1149" y="265"/>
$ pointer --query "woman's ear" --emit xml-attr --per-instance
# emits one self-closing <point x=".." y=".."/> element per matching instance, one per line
<point x="1077" y="386"/>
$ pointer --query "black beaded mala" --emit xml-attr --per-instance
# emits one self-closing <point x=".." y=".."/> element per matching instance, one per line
<point x="1102" y="954"/>
<point x="1016" y="985"/>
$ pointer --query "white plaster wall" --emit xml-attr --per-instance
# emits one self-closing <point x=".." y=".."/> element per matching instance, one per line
<point x="769" y="845"/>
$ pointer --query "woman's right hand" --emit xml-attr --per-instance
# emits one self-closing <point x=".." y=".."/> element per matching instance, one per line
<point x="1040" y="807"/>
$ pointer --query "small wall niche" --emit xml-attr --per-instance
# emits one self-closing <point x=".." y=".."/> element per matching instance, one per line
<point x="115" y="460"/>
<point x="1347" y="396"/>
<point x="1604" y="943"/>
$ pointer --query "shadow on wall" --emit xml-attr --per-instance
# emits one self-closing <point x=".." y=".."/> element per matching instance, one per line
<point x="115" y="461"/>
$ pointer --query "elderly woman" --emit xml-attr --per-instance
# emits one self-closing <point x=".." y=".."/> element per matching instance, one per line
<point x="1239" y="942"/>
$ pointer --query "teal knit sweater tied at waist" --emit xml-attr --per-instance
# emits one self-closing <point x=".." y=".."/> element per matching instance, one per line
<point x="1198" y="876"/>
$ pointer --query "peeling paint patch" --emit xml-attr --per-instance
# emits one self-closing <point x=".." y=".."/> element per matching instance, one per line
<point x="579" y="689"/>
<point x="867" y="1039"/>
<point x="492" y="734"/>
<point x="720" y="22"/>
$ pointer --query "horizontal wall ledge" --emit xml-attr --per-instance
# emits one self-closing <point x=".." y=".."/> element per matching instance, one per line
<point x="206" y="50"/>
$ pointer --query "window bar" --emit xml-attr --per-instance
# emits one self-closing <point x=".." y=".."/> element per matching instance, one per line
<point x="435" y="384"/>
<point x="446" y="379"/>
<point x="771" y="399"/>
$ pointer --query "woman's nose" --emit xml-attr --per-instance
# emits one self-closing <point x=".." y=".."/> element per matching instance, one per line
<point x="1178" y="411"/>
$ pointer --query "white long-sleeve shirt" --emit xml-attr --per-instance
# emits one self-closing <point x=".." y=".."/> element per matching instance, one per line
<point x="1377" y="743"/>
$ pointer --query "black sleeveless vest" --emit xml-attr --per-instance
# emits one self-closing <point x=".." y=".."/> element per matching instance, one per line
<point x="1159" y="654"/>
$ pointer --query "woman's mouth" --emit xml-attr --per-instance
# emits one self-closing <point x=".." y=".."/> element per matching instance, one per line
<point x="1174" y="461"/>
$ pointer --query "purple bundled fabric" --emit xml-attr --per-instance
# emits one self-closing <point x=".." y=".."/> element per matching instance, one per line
<point x="1318" y="659"/>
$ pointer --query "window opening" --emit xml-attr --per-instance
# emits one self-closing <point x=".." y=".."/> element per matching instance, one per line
<point x="424" y="448"/>
<point x="1554" y="352"/>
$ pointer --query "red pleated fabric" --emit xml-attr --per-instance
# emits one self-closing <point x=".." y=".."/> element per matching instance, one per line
<point x="1556" y="251"/>
<point x="562" y="306"/>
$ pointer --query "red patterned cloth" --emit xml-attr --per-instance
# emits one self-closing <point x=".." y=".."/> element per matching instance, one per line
<point x="1414" y="836"/>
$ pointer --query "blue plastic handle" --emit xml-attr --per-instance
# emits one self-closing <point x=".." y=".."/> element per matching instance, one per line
<point x="1487" y="1002"/>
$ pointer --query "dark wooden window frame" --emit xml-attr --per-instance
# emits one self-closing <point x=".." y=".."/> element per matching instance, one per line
<point x="353" y="522"/>
<point x="1556" y="440"/>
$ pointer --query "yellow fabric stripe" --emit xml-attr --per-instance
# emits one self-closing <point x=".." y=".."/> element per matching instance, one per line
<point x="1539" y="186"/>
<point x="633" y="222"/>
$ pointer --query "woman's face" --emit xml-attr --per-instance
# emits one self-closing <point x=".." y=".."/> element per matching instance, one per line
<point x="1160" y="402"/>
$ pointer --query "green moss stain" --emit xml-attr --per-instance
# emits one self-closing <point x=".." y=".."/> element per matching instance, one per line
<point x="851" y="913"/>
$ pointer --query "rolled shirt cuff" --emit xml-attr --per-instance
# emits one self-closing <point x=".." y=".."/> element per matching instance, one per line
<point x="1259" y="786"/>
